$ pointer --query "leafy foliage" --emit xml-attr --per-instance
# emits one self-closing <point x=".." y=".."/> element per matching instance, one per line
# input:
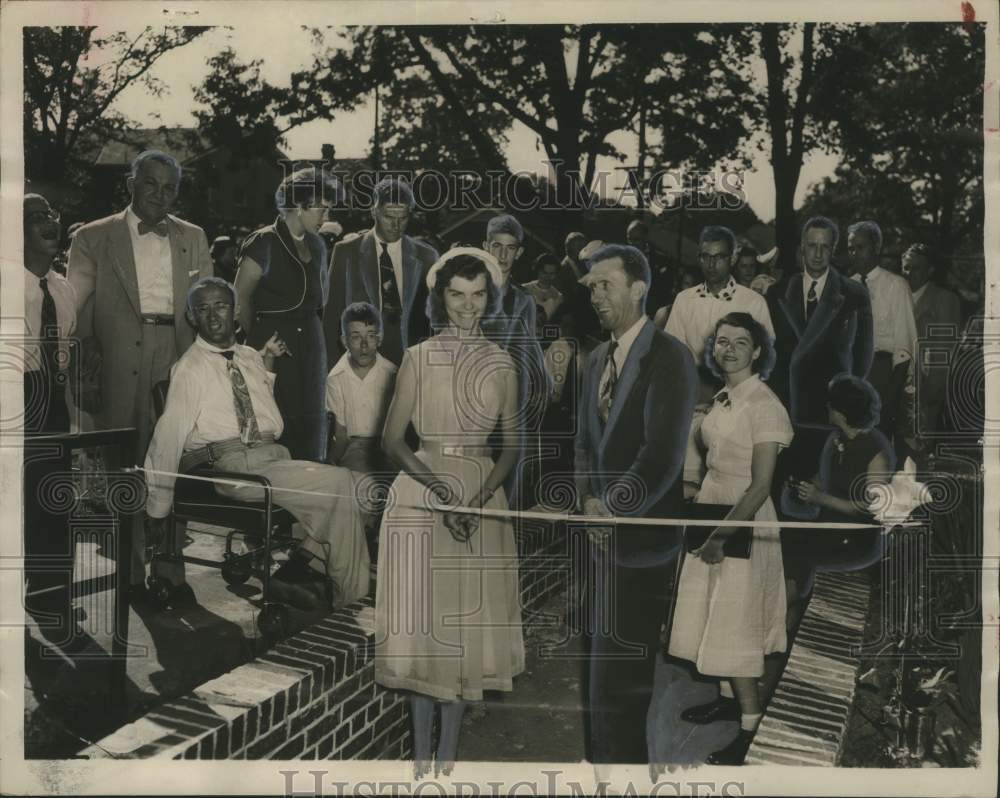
<point x="68" y="99"/>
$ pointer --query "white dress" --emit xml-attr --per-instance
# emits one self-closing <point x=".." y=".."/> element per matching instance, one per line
<point x="447" y="614"/>
<point x="730" y="614"/>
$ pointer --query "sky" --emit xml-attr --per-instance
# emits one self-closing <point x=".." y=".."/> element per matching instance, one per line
<point x="184" y="68"/>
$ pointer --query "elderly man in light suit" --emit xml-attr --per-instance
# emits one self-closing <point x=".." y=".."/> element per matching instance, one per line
<point x="385" y="268"/>
<point x="132" y="271"/>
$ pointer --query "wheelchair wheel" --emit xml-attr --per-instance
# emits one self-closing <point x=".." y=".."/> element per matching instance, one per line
<point x="273" y="622"/>
<point x="236" y="573"/>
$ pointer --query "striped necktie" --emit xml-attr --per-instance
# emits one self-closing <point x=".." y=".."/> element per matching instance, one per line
<point x="608" y="387"/>
<point x="249" y="431"/>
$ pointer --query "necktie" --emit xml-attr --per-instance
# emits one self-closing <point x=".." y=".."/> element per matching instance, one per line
<point x="249" y="431"/>
<point x="160" y="229"/>
<point x="50" y="331"/>
<point x="608" y="388"/>
<point x="392" y="306"/>
<point x="811" y="301"/>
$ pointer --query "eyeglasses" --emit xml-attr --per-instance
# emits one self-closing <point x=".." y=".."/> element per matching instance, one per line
<point x="40" y="217"/>
<point x="705" y="259"/>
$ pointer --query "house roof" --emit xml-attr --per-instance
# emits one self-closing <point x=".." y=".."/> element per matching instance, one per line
<point x="186" y="144"/>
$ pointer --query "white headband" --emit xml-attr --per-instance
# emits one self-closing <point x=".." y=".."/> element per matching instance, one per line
<point x="491" y="264"/>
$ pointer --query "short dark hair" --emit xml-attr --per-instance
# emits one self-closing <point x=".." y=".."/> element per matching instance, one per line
<point x="308" y="188"/>
<point x="219" y="245"/>
<point x="716" y="232"/>
<point x="546" y="259"/>
<point x="468" y="267"/>
<point x="634" y="262"/>
<point x="823" y="223"/>
<point x="745" y="247"/>
<point x="856" y="399"/>
<point x="360" y="311"/>
<point x="761" y="338"/>
<point x="209" y="282"/>
<point x="393" y="191"/>
<point x="504" y="223"/>
<point x="158" y="156"/>
<point x="869" y="228"/>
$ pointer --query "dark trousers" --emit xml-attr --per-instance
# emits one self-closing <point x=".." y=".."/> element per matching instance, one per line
<point x="890" y="383"/>
<point x="623" y="634"/>
<point x="48" y="556"/>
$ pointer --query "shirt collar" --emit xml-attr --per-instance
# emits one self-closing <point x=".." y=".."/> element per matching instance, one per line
<point x="344" y="364"/>
<point x="629" y="336"/>
<point x="807" y="280"/>
<point x="873" y="275"/>
<point x="920" y="292"/>
<point x="740" y="390"/>
<point x="201" y="343"/>
<point x="393" y="247"/>
<point x="132" y="218"/>
<point x="726" y="294"/>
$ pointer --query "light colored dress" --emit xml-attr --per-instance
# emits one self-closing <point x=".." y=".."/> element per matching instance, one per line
<point x="730" y="614"/>
<point x="447" y="613"/>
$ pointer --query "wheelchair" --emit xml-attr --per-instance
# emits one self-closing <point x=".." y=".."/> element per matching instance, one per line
<point x="263" y="527"/>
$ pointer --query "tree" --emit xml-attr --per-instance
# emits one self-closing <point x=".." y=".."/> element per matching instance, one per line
<point x="909" y="122"/>
<point x="67" y="101"/>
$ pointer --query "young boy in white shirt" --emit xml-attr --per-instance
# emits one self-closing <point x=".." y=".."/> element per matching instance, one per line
<point x="358" y="390"/>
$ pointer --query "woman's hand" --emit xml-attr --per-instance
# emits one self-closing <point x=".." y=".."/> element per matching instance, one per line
<point x="462" y="526"/>
<point x="809" y="492"/>
<point x="710" y="551"/>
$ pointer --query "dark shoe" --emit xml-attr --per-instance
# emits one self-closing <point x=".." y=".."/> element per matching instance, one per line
<point x="735" y="752"/>
<point x="182" y="597"/>
<point x="301" y="595"/>
<point x="719" y="709"/>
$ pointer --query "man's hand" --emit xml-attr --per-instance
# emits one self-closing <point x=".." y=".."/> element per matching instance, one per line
<point x="710" y="551"/>
<point x="275" y="347"/>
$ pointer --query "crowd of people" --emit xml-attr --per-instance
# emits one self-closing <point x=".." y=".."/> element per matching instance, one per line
<point x="747" y="393"/>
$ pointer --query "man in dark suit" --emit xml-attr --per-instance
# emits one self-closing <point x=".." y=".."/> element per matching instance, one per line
<point x="638" y="396"/>
<point x="385" y="268"/>
<point x="513" y="328"/>
<point x="131" y="272"/>
<point x="938" y="315"/>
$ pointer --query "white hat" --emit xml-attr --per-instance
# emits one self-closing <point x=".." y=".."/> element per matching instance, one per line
<point x="331" y="229"/>
<point x="491" y="264"/>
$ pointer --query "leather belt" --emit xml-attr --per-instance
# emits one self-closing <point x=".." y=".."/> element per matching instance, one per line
<point x="158" y="319"/>
<point x="456" y="450"/>
<point x="216" y="451"/>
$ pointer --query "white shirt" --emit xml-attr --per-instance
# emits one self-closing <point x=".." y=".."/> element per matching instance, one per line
<point x="200" y="410"/>
<point x="396" y="256"/>
<point x="807" y="281"/>
<point x="64" y="297"/>
<point x="621" y="352"/>
<point x="360" y="404"/>
<point x="153" y="268"/>
<point x="696" y="310"/>
<point x="892" y="313"/>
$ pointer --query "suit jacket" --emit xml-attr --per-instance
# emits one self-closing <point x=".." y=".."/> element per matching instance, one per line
<point x="941" y="309"/>
<point x="354" y="277"/>
<point x="102" y="270"/>
<point x="838" y="338"/>
<point x="635" y="463"/>
<point x="514" y="329"/>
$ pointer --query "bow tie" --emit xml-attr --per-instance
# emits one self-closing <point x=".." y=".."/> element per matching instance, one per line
<point x="160" y="229"/>
<point x="722" y="398"/>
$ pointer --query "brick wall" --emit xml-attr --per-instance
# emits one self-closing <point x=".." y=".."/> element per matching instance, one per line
<point x="312" y="696"/>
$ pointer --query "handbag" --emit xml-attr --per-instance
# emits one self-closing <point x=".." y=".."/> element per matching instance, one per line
<point x="738" y="544"/>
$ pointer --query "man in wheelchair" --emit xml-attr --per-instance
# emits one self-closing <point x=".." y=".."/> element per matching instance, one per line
<point x="221" y="409"/>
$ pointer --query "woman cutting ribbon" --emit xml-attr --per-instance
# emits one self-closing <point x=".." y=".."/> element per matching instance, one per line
<point x="447" y="608"/>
